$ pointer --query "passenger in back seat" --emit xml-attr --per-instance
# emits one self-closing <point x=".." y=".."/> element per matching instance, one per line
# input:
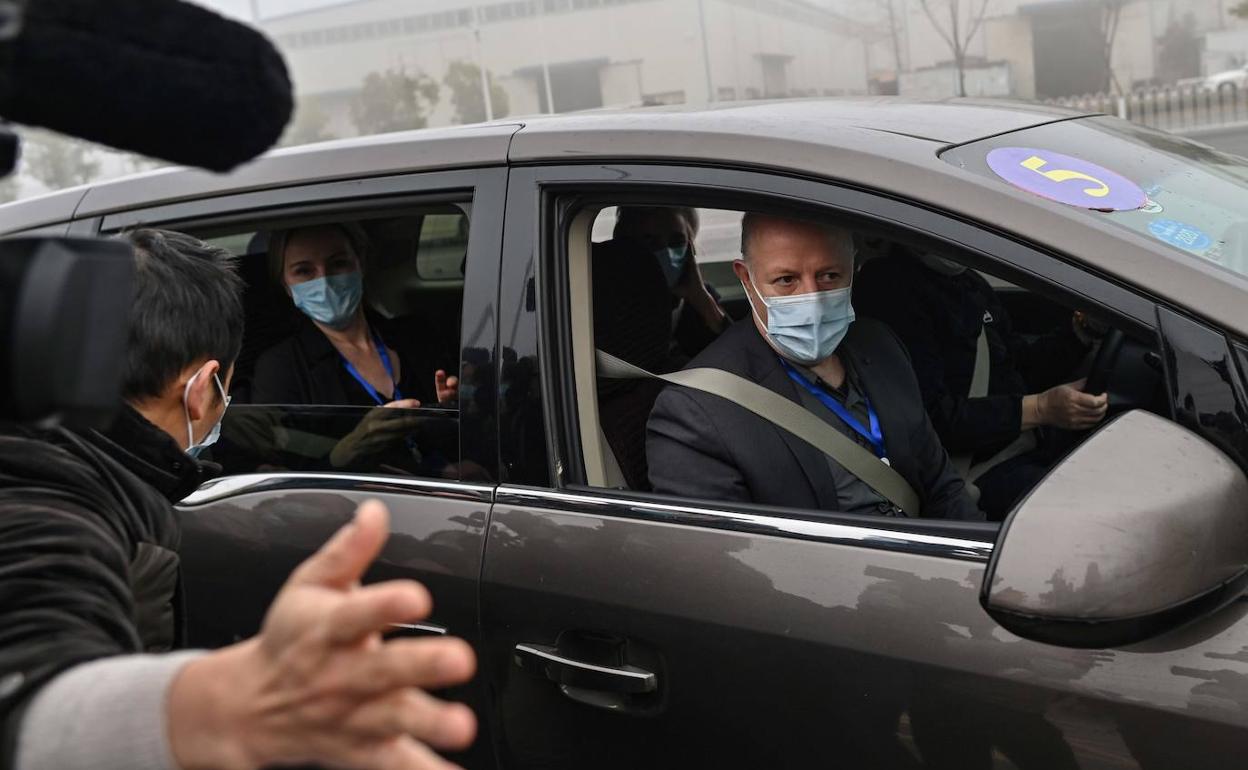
<point x="343" y="354"/>
<point x="632" y="321"/>
<point x="667" y="234"/>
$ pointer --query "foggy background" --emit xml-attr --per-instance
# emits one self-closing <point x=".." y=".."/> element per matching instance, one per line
<point x="370" y="66"/>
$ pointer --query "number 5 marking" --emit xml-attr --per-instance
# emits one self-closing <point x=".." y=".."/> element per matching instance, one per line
<point x="1036" y="164"/>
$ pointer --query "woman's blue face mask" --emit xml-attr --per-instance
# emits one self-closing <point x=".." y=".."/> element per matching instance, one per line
<point x="672" y="260"/>
<point x="332" y="300"/>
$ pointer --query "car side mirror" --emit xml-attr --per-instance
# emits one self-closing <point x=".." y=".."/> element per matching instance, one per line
<point x="1141" y="529"/>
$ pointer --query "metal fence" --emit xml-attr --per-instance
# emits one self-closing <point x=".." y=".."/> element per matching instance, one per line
<point x="1176" y="108"/>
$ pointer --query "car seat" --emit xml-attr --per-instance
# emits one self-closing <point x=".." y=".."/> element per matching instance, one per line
<point x="632" y="321"/>
<point x="268" y="314"/>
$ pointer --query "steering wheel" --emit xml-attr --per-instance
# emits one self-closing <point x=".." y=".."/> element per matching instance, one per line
<point x="1103" y="364"/>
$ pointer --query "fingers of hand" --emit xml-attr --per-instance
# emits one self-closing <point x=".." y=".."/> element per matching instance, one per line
<point x="416" y="713"/>
<point x="452" y="383"/>
<point x="430" y="664"/>
<point x="404" y="403"/>
<point x="342" y="560"/>
<point x="373" y="608"/>
<point x="396" y="754"/>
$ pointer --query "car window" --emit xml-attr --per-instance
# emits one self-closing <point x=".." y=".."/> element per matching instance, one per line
<point x="442" y="247"/>
<point x="921" y="309"/>
<point x="351" y="344"/>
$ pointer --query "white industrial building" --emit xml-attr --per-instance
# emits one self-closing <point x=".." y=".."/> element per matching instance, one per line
<point x="585" y="53"/>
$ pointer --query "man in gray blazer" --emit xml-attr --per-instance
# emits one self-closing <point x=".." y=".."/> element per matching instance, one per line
<point x="805" y="345"/>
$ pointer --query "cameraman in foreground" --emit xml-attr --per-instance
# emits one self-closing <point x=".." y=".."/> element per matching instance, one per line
<point x="89" y="583"/>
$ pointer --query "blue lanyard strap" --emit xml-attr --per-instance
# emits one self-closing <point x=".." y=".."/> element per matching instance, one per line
<point x="874" y="436"/>
<point x="385" y="361"/>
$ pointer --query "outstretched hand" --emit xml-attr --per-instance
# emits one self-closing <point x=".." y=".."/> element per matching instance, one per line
<point x="319" y="684"/>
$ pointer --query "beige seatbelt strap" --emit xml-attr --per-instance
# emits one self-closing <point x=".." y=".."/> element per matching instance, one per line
<point x="978" y="389"/>
<point x="1025" y="442"/>
<point x="786" y="415"/>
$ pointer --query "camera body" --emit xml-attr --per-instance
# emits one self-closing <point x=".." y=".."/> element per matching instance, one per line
<point x="64" y="321"/>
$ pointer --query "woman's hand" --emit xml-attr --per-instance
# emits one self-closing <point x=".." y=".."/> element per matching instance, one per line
<point x="692" y="289"/>
<point x="381" y="428"/>
<point x="446" y="387"/>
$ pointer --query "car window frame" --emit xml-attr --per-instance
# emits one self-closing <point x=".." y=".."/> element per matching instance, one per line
<point x="482" y="190"/>
<point x="563" y="191"/>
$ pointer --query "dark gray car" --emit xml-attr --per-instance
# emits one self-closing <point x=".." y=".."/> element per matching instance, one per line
<point x="1101" y="626"/>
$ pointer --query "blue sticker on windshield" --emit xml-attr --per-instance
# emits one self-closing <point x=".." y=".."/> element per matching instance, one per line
<point x="1179" y="235"/>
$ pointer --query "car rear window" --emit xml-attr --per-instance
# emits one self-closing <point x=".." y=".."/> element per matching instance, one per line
<point x="1188" y="197"/>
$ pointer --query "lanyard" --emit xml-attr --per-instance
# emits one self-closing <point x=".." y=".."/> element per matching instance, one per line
<point x="874" y="436"/>
<point x="385" y="361"/>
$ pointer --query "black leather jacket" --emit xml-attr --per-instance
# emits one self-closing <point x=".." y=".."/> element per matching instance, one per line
<point x="88" y="552"/>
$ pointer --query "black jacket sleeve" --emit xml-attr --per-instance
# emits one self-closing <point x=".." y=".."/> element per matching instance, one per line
<point x="65" y="592"/>
<point x="686" y="455"/>
<point x="941" y="486"/>
<point x="1048" y="360"/>
<point x="692" y="334"/>
<point x="963" y="424"/>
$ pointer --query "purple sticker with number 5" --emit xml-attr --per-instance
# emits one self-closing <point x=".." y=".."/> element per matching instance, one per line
<point x="1066" y="179"/>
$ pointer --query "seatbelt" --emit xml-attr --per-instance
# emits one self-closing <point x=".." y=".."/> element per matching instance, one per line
<point x="978" y="389"/>
<point x="786" y="415"/>
<point x="1025" y="442"/>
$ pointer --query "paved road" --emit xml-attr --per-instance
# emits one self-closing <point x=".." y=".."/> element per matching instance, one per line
<point x="1233" y="140"/>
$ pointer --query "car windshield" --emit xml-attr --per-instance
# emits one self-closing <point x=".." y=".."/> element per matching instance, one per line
<point x="1190" y="198"/>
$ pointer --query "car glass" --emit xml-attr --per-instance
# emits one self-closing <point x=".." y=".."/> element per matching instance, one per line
<point x="1189" y="198"/>
<point x="299" y="405"/>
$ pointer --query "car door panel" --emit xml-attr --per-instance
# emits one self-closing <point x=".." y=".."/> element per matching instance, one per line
<point x="239" y="546"/>
<point x="778" y="651"/>
<point x="791" y="639"/>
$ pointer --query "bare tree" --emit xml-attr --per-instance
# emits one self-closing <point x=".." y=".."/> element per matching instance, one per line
<point x="1110" y="15"/>
<point x="894" y="31"/>
<point x="961" y="30"/>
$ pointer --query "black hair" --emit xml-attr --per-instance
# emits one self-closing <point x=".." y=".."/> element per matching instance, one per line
<point x="188" y="307"/>
<point x="627" y="216"/>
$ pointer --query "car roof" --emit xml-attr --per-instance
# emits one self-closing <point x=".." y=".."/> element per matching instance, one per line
<point x="885" y="144"/>
<point x="828" y="122"/>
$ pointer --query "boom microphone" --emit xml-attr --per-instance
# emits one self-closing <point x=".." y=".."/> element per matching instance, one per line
<point x="163" y="78"/>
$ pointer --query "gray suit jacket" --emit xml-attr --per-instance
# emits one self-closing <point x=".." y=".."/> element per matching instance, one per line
<point x="703" y="446"/>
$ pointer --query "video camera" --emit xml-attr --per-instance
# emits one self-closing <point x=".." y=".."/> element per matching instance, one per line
<point x="132" y="76"/>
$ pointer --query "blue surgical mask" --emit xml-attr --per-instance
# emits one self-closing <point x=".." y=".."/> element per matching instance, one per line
<point x="194" y="449"/>
<point x="672" y="260"/>
<point x="332" y="300"/>
<point x="807" y="328"/>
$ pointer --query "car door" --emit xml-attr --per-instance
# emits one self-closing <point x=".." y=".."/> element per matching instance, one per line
<point x="633" y="630"/>
<point x="245" y="531"/>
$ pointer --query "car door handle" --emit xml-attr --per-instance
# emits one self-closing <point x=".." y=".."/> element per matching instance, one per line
<point x="417" y="629"/>
<point x="547" y="661"/>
